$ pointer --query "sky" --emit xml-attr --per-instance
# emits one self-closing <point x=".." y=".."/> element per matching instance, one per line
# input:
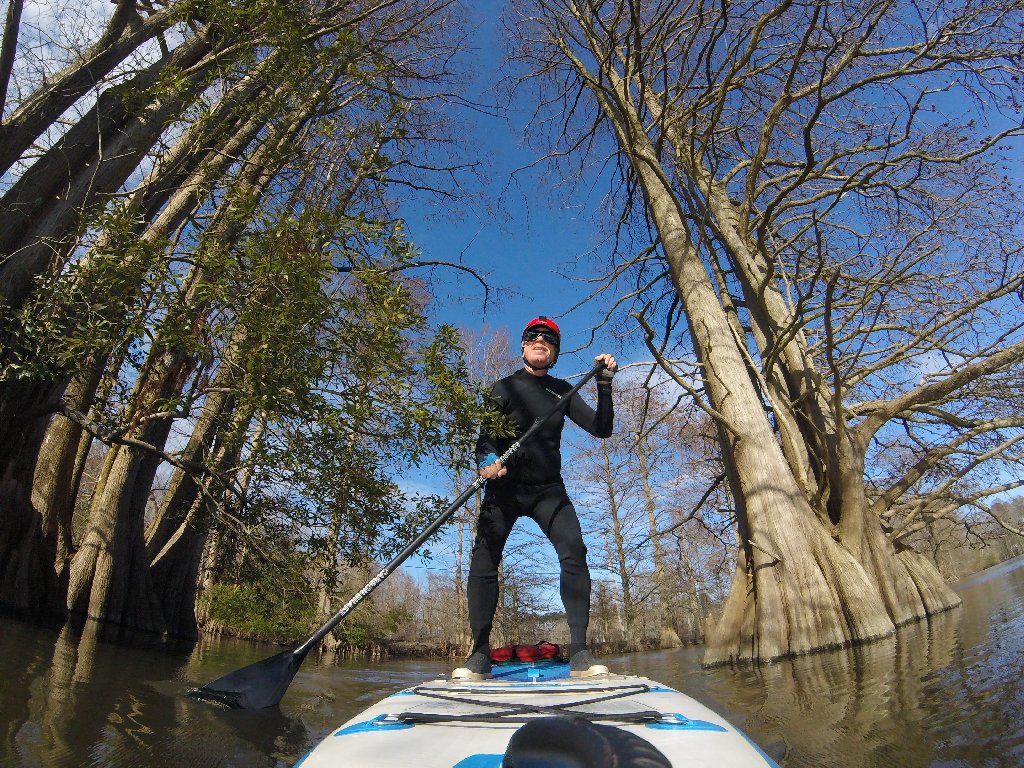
<point x="528" y="245"/>
<point x="527" y="250"/>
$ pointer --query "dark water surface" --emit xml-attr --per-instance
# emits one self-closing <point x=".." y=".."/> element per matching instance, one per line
<point x="948" y="692"/>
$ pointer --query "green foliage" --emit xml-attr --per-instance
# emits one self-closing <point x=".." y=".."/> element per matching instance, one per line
<point x="264" y="610"/>
<point x="277" y="22"/>
<point x="171" y="83"/>
<point x="378" y="617"/>
<point x="92" y="306"/>
<point x="356" y="635"/>
<point x="353" y="384"/>
<point x="282" y="293"/>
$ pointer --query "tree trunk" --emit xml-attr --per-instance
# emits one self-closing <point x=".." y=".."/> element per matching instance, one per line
<point x="182" y="179"/>
<point x="796" y="589"/>
<point x="805" y="421"/>
<point x="47" y="207"/>
<point x="184" y="489"/>
<point x="177" y="537"/>
<point x="55" y="486"/>
<point x="211" y="564"/>
<point x="27" y="579"/>
<point x="169" y="194"/>
<point x="668" y="637"/>
<point x="807" y="425"/>
<point x="860" y="531"/>
<point x="110" y="579"/>
<point x="175" y="571"/>
<point x="40" y="487"/>
<point x="124" y="34"/>
<point x="12" y="28"/>
<point x="694" y="619"/>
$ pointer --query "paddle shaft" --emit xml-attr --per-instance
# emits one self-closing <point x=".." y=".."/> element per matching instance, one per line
<point x="441" y="519"/>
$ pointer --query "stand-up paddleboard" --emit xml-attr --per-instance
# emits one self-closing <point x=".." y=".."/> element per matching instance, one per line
<point x="535" y="714"/>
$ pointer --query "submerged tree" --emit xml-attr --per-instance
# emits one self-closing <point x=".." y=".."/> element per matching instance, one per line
<point x="820" y="240"/>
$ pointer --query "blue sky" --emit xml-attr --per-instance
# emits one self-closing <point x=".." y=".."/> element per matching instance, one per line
<point x="528" y="243"/>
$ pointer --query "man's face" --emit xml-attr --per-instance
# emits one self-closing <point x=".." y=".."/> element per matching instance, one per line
<point x="537" y="351"/>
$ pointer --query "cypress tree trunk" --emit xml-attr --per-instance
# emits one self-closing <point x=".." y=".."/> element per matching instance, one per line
<point x="27" y="578"/>
<point x="122" y="502"/>
<point x="177" y="537"/>
<point x="110" y="579"/>
<point x="175" y="571"/>
<point x="796" y="589"/>
<point x="55" y="488"/>
<point x="814" y="567"/>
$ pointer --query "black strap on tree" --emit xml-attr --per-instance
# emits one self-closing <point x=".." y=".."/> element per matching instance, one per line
<point x="263" y="684"/>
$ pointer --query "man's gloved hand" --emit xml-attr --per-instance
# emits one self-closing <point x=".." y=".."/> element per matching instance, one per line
<point x="607" y="373"/>
<point x="490" y="468"/>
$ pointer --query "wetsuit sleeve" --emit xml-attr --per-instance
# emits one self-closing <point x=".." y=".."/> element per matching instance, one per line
<point x="487" y="444"/>
<point x="599" y="423"/>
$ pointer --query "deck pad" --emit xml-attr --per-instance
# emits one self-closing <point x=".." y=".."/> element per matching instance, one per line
<point x="456" y="724"/>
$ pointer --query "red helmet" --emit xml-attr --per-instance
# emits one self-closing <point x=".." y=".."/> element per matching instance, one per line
<point x="545" y="322"/>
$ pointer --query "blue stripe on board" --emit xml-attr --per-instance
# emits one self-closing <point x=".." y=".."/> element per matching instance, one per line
<point x="376" y="724"/>
<point x="761" y="752"/>
<point x="480" y="761"/>
<point x="530" y="671"/>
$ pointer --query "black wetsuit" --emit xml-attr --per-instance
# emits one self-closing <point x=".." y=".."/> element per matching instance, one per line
<point x="534" y="488"/>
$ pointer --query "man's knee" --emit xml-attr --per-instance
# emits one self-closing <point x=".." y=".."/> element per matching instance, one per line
<point x="573" y="555"/>
<point x="484" y="562"/>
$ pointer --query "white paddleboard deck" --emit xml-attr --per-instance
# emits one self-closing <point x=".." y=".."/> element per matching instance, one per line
<point x="452" y="724"/>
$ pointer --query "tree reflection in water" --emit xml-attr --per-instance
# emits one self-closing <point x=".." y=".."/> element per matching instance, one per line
<point x="945" y="692"/>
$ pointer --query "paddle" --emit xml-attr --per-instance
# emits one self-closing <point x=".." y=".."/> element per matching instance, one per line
<point x="264" y="683"/>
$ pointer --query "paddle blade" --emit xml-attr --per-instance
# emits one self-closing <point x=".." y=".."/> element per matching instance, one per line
<point x="256" y="686"/>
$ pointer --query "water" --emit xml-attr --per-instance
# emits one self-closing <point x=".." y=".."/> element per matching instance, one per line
<point x="948" y="692"/>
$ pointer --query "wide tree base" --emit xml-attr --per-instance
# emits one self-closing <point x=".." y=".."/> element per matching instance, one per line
<point x="812" y="595"/>
<point x="935" y="594"/>
<point x="737" y="636"/>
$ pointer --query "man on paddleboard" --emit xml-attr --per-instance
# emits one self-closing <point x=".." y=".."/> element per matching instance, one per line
<point x="532" y="486"/>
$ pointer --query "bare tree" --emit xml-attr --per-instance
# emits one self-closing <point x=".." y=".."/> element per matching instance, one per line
<point x="646" y="487"/>
<point x="834" y="246"/>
